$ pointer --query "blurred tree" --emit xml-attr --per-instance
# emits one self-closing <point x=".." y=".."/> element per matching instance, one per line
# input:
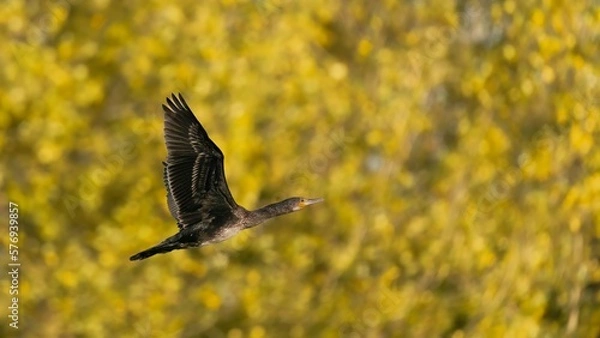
<point x="453" y="141"/>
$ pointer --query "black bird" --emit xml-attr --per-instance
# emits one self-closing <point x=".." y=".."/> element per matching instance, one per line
<point x="197" y="192"/>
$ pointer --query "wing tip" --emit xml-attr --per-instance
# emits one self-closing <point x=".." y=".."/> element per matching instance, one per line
<point x="176" y="103"/>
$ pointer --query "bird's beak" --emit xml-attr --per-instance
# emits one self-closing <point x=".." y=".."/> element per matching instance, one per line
<point x="310" y="201"/>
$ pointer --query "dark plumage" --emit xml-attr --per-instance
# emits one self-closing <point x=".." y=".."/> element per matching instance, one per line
<point x="197" y="192"/>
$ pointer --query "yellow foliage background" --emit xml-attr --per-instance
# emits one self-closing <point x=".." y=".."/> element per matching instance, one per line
<point x="455" y="143"/>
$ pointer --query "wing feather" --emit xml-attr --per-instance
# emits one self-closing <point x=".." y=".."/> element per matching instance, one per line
<point x="194" y="176"/>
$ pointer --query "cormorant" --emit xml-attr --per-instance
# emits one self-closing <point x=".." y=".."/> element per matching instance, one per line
<point x="197" y="193"/>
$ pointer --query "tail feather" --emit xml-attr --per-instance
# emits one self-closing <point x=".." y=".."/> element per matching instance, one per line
<point x="159" y="249"/>
<point x="168" y="245"/>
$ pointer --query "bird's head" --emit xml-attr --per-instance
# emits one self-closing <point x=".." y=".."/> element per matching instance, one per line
<point x="298" y="203"/>
<point x="280" y="208"/>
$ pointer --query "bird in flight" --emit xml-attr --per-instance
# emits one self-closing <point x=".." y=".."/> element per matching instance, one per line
<point x="197" y="193"/>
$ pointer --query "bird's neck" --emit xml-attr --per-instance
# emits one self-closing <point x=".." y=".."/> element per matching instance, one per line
<point x="260" y="215"/>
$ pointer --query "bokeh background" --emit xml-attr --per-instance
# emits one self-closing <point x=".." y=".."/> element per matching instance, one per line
<point x="455" y="143"/>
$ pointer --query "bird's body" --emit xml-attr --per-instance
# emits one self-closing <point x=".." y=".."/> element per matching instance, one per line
<point x="197" y="193"/>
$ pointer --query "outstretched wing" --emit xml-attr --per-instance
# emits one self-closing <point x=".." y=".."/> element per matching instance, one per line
<point x="197" y="191"/>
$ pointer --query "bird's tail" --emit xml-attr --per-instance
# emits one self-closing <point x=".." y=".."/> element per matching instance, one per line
<point x="165" y="246"/>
